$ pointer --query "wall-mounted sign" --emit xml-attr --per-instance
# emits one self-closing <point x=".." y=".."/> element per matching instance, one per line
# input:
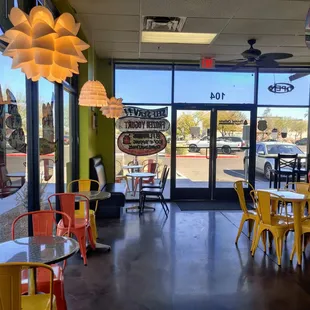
<point x="281" y="88"/>
<point x="145" y="113"/>
<point x="141" y="143"/>
<point x="134" y="124"/>
<point x="262" y="125"/>
<point x="230" y="122"/>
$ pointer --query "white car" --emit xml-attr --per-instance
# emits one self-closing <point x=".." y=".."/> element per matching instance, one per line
<point x="264" y="165"/>
<point x="225" y="144"/>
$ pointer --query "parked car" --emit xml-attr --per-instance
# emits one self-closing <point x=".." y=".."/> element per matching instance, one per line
<point x="303" y="141"/>
<point x="264" y="165"/>
<point x="225" y="144"/>
<point x="66" y="140"/>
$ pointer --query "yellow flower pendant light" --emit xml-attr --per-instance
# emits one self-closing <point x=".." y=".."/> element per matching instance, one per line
<point x="42" y="46"/>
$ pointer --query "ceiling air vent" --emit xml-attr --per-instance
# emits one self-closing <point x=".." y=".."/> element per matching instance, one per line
<point x="162" y="23"/>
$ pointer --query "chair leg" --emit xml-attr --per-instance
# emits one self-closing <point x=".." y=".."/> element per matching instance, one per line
<point x="270" y="239"/>
<point x="91" y="238"/>
<point x="163" y="205"/>
<point x="264" y="237"/>
<point x="250" y="227"/>
<point x="259" y="232"/>
<point x="254" y="234"/>
<point x="164" y="201"/>
<point x="82" y="243"/>
<point x="243" y="219"/>
<point x="278" y="244"/>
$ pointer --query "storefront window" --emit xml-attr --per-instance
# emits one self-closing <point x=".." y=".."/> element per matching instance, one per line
<point x="144" y="86"/>
<point x="280" y="130"/>
<point x="147" y="163"/>
<point x="213" y="87"/>
<point x="13" y="148"/>
<point x="67" y="138"/>
<point x="47" y="140"/>
<point x="277" y="89"/>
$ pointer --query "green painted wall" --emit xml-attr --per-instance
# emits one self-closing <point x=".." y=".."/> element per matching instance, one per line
<point x="105" y="139"/>
<point x="101" y="141"/>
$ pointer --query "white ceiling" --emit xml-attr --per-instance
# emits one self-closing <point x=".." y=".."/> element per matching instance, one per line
<point x="278" y="26"/>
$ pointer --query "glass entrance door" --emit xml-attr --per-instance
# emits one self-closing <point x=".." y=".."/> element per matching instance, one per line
<point x="210" y="151"/>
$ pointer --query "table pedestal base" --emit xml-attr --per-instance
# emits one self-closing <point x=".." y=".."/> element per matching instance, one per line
<point x="103" y="246"/>
<point x="138" y="208"/>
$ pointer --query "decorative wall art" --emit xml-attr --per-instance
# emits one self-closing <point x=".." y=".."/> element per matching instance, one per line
<point x="142" y="131"/>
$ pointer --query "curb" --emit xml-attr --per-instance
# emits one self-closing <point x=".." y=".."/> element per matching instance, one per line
<point x="23" y="155"/>
<point x="203" y="156"/>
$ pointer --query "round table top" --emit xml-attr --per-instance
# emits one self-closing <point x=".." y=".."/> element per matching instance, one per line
<point x="141" y="174"/>
<point x="286" y="195"/>
<point x="93" y="195"/>
<point x="16" y="174"/>
<point x="39" y="249"/>
<point x="133" y="167"/>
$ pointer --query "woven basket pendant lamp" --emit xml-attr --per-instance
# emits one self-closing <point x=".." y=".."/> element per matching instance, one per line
<point x="93" y="94"/>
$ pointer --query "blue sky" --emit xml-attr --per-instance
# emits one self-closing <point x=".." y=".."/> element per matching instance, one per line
<point x="141" y="86"/>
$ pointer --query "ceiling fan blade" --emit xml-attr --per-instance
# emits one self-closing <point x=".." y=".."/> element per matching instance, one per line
<point x="275" y="56"/>
<point x="267" y="63"/>
<point x="297" y="76"/>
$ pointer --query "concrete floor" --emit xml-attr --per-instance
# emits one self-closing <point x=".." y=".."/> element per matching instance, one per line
<point x="188" y="261"/>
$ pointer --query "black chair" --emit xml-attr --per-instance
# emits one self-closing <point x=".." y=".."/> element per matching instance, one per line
<point x="285" y="165"/>
<point x="158" y="185"/>
<point x="300" y="171"/>
<point x="156" y="192"/>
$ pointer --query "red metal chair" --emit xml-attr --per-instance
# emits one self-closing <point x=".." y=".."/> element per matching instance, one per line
<point x="80" y="227"/>
<point x="44" y="224"/>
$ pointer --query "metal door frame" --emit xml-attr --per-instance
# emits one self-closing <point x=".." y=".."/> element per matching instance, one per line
<point x="210" y="193"/>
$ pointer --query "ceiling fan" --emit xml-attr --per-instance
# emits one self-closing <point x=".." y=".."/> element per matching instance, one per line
<point x="255" y="56"/>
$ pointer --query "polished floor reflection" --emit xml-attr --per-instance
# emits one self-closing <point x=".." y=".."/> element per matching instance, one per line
<point x="188" y="261"/>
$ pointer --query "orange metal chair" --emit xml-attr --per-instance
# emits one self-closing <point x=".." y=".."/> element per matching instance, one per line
<point x="150" y="167"/>
<point x="249" y="216"/>
<point x="10" y="289"/>
<point x="278" y="226"/>
<point x="85" y="186"/>
<point x="44" y="224"/>
<point x="80" y="227"/>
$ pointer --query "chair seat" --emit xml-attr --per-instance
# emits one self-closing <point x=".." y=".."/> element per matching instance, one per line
<point x="38" y="302"/>
<point x="279" y="220"/>
<point x="79" y="223"/>
<point x="282" y="171"/>
<point x="151" y="190"/>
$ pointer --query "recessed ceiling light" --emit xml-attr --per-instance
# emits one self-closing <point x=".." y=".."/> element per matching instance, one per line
<point x="177" y="37"/>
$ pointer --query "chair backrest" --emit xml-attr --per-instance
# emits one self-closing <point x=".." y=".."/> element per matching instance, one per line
<point x="67" y="205"/>
<point x="44" y="222"/>
<point x="10" y="288"/>
<point x="287" y="161"/>
<point x="165" y="179"/>
<point x="163" y="174"/>
<point x="300" y="187"/>
<point x="263" y="200"/>
<point x="239" y="188"/>
<point x="97" y="171"/>
<point x="84" y="185"/>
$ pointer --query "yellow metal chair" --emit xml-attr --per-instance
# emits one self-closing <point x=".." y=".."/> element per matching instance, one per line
<point x="85" y="186"/>
<point x="278" y="226"/>
<point x="301" y="188"/>
<point x="249" y="216"/>
<point x="10" y="289"/>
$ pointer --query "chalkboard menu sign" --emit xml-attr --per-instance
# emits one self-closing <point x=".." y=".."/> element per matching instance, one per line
<point x="142" y="131"/>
